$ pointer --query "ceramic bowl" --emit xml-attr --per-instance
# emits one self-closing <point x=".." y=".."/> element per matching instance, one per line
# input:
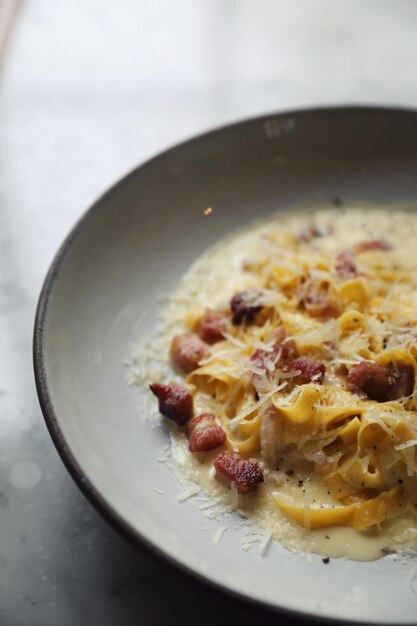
<point x="101" y="295"/>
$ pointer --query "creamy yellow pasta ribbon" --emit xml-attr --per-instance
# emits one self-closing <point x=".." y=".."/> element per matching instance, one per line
<point x="308" y="416"/>
<point x="245" y="438"/>
<point x="355" y="292"/>
<point x="360" y="515"/>
<point x="216" y="377"/>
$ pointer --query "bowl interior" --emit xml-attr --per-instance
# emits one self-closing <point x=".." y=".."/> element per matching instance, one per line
<point x="103" y="293"/>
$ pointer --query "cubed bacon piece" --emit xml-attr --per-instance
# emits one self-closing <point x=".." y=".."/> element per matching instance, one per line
<point x="310" y="370"/>
<point x="245" y="305"/>
<point x="261" y="366"/>
<point x="345" y="260"/>
<point x="282" y="350"/>
<point x="187" y="351"/>
<point x="205" y="433"/>
<point x="403" y="385"/>
<point x="345" y="264"/>
<point x="245" y="474"/>
<point x="373" y="244"/>
<point x="212" y="326"/>
<point x="382" y="383"/>
<point x="175" y="401"/>
<point x="372" y="379"/>
<point x="286" y="345"/>
<point x="264" y="361"/>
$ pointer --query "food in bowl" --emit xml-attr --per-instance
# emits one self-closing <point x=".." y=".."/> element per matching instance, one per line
<point x="288" y="366"/>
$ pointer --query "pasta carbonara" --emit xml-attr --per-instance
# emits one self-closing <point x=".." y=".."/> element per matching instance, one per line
<point x="294" y="355"/>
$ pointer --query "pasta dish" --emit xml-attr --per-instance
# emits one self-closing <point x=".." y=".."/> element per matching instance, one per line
<point x="293" y="349"/>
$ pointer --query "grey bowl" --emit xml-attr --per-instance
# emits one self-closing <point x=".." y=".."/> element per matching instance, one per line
<point x="101" y="294"/>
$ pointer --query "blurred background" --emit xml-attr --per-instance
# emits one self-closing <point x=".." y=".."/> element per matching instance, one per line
<point x="88" y="90"/>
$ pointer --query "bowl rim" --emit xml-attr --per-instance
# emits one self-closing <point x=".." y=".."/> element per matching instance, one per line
<point x="104" y="508"/>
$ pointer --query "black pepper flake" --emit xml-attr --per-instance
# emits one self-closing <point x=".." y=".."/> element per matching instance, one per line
<point x="300" y="483"/>
<point x="327" y="536"/>
<point x="400" y="481"/>
<point x="326" y="560"/>
<point x="289" y="472"/>
<point x="256" y="396"/>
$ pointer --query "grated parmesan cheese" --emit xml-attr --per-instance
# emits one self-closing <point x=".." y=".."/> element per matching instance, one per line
<point x="219" y="534"/>
<point x="186" y="495"/>
<point x="258" y="405"/>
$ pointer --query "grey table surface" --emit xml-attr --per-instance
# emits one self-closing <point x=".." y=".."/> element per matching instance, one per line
<point x="89" y="89"/>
